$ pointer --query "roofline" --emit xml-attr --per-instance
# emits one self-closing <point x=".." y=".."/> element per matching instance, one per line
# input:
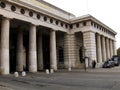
<point x="71" y="20"/>
<point x="36" y="9"/>
<point x="44" y="2"/>
<point x="90" y="17"/>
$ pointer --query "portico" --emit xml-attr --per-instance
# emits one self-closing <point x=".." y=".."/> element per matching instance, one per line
<point x="37" y="39"/>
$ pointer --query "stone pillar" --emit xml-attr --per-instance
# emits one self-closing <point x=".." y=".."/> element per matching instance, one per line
<point x="67" y="51"/>
<point x="111" y="49"/>
<point x="19" y="53"/>
<point x="114" y="46"/>
<point x="90" y="45"/>
<point x="40" y="52"/>
<point x="5" y="27"/>
<point x="32" y="49"/>
<point x="70" y="51"/>
<point x="103" y="49"/>
<point x="99" y="53"/>
<point x="107" y="48"/>
<point x="53" y="56"/>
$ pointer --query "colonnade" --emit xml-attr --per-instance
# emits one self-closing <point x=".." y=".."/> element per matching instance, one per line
<point x="98" y="47"/>
<point x="34" y="63"/>
<point x="105" y="48"/>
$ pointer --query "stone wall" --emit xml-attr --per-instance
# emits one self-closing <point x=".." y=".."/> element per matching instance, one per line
<point x="72" y="44"/>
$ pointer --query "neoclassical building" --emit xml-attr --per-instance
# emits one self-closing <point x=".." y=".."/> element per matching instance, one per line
<point x="35" y="35"/>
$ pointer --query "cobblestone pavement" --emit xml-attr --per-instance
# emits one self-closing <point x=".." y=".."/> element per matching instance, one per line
<point x="92" y="79"/>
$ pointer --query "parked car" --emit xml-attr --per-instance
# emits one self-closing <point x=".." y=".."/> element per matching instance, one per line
<point x="109" y="63"/>
<point x="115" y="58"/>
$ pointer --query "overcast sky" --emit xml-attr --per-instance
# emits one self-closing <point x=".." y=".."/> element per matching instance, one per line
<point x="107" y="11"/>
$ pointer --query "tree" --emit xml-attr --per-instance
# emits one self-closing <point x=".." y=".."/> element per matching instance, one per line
<point x="118" y="52"/>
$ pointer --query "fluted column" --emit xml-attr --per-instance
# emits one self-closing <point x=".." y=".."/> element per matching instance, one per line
<point x="107" y="48"/>
<point x="32" y="49"/>
<point x="19" y="53"/>
<point x="5" y="28"/>
<point x="40" y="52"/>
<point x="53" y="60"/>
<point x="103" y="49"/>
<point x="99" y="53"/>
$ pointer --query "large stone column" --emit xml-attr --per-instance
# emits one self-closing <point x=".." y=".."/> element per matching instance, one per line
<point x="90" y="45"/>
<point x="40" y="52"/>
<point x="107" y="48"/>
<point x="19" y="53"/>
<point x="103" y="49"/>
<point x="67" y="51"/>
<point x="114" y="46"/>
<point x="111" y="49"/>
<point x="53" y="60"/>
<point x="99" y="53"/>
<point x="32" y="49"/>
<point x="4" y="64"/>
<point x="70" y="51"/>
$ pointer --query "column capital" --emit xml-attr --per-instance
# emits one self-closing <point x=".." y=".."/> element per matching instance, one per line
<point x="51" y="29"/>
<point x="31" y="24"/>
<point x="8" y="18"/>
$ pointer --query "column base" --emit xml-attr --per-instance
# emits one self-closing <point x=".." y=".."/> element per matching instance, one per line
<point x="18" y="68"/>
<point x="99" y="65"/>
<point x="4" y="72"/>
<point x="40" y="68"/>
<point x="54" y="67"/>
<point x="32" y="69"/>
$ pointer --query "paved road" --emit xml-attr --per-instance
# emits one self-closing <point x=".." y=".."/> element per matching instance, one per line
<point x="93" y="79"/>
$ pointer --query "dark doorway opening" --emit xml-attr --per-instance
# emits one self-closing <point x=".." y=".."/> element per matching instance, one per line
<point x="61" y="55"/>
<point x="12" y="51"/>
<point x="46" y="51"/>
<point x="81" y="54"/>
<point x="25" y="50"/>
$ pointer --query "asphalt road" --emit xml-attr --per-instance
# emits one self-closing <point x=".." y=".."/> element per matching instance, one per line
<point x="97" y="79"/>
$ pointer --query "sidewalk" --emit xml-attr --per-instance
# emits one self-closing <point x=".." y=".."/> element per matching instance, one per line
<point x="114" y="69"/>
<point x="104" y="70"/>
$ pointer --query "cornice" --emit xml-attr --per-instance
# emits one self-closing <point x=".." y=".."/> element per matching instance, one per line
<point x="28" y="6"/>
<point x="91" y="18"/>
<point x="69" y="21"/>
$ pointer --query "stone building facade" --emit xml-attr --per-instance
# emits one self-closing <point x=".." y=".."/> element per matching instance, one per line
<point x="35" y="35"/>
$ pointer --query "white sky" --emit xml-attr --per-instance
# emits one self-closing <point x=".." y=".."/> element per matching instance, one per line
<point x="107" y="11"/>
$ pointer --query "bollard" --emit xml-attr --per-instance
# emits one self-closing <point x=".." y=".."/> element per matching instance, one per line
<point x="23" y="73"/>
<point x="51" y="71"/>
<point x="47" y="71"/>
<point x="69" y="69"/>
<point x="16" y="74"/>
